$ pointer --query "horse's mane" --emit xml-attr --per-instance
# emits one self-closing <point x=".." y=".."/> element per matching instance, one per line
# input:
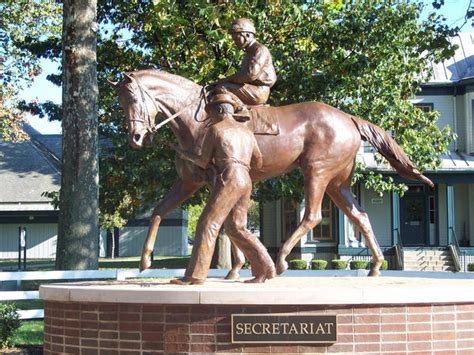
<point x="162" y="75"/>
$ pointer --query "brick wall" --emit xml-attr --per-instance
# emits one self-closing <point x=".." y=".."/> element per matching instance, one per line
<point x="152" y="329"/>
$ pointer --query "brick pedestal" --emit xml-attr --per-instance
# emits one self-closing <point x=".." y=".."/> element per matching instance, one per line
<point x="76" y="324"/>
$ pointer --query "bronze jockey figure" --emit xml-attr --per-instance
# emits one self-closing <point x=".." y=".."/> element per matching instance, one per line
<point x="252" y="83"/>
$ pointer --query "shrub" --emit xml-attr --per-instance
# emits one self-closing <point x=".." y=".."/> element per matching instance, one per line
<point x="384" y="265"/>
<point x="338" y="264"/>
<point x="358" y="264"/>
<point x="318" y="264"/>
<point x="470" y="267"/>
<point x="9" y="324"/>
<point x="298" y="264"/>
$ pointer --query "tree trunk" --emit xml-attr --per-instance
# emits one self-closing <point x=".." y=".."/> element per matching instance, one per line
<point x="78" y="230"/>
<point x="222" y="258"/>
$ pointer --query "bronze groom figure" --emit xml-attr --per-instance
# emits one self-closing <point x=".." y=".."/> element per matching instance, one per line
<point x="229" y="149"/>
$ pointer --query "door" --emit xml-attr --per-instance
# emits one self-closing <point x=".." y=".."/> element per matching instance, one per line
<point x="413" y="218"/>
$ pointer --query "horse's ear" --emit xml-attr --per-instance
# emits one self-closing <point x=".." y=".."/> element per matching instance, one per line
<point x="112" y="83"/>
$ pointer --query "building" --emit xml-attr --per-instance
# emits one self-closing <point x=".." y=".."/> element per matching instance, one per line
<point x="423" y="219"/>
<point x="27" y="169"/>
<point x="32" y="167"/>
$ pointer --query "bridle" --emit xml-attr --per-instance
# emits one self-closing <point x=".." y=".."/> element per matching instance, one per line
<point x="146" y="118"/>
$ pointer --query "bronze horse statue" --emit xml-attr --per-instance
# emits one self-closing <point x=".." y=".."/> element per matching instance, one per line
<point x="319" y="139"/>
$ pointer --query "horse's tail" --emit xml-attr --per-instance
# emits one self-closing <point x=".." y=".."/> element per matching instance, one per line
<point x="387" y="146"/>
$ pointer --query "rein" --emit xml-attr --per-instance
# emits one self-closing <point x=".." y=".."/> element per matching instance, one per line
<point x="146" y="113"/>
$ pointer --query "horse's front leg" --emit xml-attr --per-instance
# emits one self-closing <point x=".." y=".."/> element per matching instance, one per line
<point x="239" y="261"/>
<point x="179" y="192"/>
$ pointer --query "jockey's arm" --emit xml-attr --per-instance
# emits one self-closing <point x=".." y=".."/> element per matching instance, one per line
<point x="250" y="72"/>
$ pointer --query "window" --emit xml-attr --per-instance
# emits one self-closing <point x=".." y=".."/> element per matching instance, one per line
<point x="289" y="218"/>
<point x="324" y="231"/>
<point x="425" y="107"/>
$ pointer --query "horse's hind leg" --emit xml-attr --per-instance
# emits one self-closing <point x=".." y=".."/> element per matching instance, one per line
<point x="179" y="192"/>
<point x="342" y="197"/>
<point x="314" y="193"/>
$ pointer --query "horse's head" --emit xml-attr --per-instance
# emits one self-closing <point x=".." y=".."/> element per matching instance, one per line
<point x="135" y="101"/>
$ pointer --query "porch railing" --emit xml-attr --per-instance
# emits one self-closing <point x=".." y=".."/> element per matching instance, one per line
<point x="455" y="250"/>
<point x="399" y="251"/>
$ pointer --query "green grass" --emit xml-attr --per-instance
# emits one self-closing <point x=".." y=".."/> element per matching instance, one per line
<point x="27" y="304"/>
<point x="159" y="262"/>
<point x="31" y="264"/>
<point x="30" y="333"/>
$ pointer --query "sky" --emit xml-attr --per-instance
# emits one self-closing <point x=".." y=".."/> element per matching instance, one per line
<point x="43" y="90"/>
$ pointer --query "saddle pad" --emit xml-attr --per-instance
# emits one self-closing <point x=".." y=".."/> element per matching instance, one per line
<point x="263" y="121"/>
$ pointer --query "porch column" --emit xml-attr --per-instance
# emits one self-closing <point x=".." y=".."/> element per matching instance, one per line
<point x="341" y="229"/>
<point x="395" y="217"/>
<point x="450" y="210"/>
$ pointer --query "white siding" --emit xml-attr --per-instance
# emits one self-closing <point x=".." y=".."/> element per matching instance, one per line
<point x="41" y="240"/>
<point x="379" y="215"/>
<point x="171" y="241"/>
<point x="131" y="240"/>
<point x="444" y="104"/>
<point x="461" y="125"/>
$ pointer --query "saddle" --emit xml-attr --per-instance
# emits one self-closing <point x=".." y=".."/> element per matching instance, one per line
<point x="262" y="120"/>
<point x="258" y="118"/>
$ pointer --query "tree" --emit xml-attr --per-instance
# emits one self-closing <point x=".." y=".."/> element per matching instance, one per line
<point x="370" y="59"/>
<point x="78" y="230"/>
<point x="24" y="21"/>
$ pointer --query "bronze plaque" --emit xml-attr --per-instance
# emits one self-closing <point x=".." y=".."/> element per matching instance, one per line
<point x="284" y="328"/>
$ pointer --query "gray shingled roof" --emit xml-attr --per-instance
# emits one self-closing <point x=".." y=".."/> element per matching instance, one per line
<point x="26" y="171"/>
<point x="460" y="66"/>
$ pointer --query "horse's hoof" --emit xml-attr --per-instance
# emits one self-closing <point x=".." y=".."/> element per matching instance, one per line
<point x="281" y="267"/>
<point x="272" y="273"/>
<point x="145" y="263"/>
<point x="374" y="273"/>
<point x="232" y="275"/>
<point x="262" y="277"/>
<point x="186" y="281"/>
<point x="256" y="280"/>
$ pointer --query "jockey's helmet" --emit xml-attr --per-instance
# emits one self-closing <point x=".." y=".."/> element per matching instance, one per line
<point x="242" y="25"/>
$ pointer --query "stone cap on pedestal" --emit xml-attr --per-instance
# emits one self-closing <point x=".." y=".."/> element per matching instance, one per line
<point x="278" y="291"/>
